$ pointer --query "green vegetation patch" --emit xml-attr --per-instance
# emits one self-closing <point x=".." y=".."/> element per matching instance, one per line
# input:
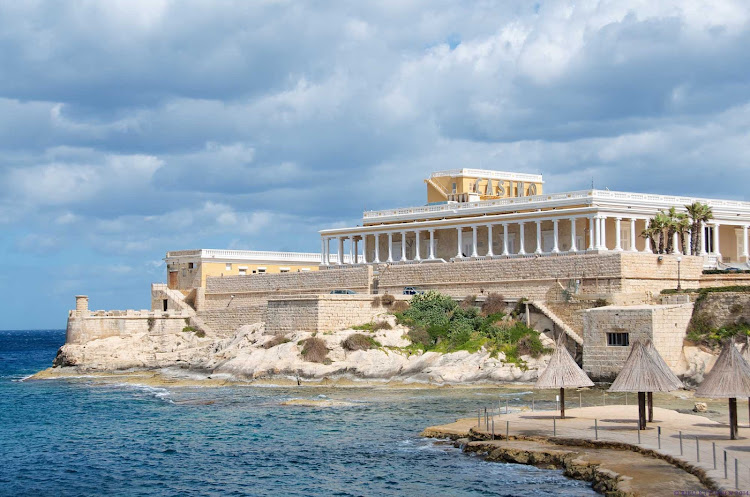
<point x="438" y="323"/>
<point x="315" y="350"/>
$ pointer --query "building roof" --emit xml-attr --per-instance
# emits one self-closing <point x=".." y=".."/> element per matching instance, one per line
<point x="729" y="378"/>
<point x="645" y="371"/>
<point x="488" y="173"/>
<point x="562" y="372"/>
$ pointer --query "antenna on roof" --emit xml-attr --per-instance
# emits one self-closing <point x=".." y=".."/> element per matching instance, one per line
<point x="592" y="182"/>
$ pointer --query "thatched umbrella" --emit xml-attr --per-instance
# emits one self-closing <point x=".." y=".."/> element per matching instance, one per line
<point x="728" y="379"/>
<point x="562" y="372"/>
<point x="645" y="371"/>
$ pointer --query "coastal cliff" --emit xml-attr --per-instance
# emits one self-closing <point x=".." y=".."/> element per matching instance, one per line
<point x="251" y="354"/>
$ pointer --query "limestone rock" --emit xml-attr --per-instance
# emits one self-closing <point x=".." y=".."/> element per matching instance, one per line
<point x="700" y="407"/>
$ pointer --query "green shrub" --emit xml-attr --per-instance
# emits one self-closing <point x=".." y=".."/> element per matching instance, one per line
<point x="735" y="308"/>
<point x="520" y="307"/>
<point x="364" y="327"/>
<point x="495" y="304"/>
<point x="277" y="340"/>
<point x="376" y="301"/>
<point x="151" y="322"/>
<point x="315" y="350"/>
<point x="188" y="328"/>
<point x="419" y="336"/>
<point x="601" y="303"/>
<point x="200" y="333"/>
<point x="358" y="341"/>
<point x="387" y="299"/>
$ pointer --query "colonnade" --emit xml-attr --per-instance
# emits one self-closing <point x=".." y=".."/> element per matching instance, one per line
<point x="595" y="227"/>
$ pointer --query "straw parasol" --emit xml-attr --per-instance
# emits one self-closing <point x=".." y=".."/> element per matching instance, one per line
<point x="562" y="372"/>
<point x="728" y="379"/>
<point x="645" y="371"/>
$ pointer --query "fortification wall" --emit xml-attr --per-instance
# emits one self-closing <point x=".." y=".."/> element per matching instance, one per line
<point x="84" y="326"/>
<point x="321" y="312"/>
<point x="228" y="320"/>
<point x="665" y="325"/>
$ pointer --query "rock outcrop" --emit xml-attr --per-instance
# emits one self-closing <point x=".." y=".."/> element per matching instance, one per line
<point x="244" y="355"/>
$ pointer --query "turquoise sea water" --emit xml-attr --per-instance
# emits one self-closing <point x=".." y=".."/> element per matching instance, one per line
<point x="82" y="437"/>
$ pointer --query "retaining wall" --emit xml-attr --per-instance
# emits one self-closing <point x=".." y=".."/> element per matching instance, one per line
<point x="84" y="326"/>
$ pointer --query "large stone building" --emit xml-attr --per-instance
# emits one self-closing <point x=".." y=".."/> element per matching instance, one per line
<point x="475" y="214"/>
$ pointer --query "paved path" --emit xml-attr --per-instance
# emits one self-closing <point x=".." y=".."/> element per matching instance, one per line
<point x="618" y="423"/>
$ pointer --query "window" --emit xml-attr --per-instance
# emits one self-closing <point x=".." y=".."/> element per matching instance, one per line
<point x="454" y="188"/>
<point x="229" y="266"/>
<point x="243" y="272"/>
<point x="261" y="270"/>
<point x="191" y="265"/>
<point x="283" y="269"/>
<point x="618" y="339"/>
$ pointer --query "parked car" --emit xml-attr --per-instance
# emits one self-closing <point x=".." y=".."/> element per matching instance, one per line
<point x="411" y="290"/>
<point x="343" y="292"/>
<point x="732" y="269"/>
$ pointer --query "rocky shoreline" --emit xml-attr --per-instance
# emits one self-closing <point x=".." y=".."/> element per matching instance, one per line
<point x="250" y="354"/>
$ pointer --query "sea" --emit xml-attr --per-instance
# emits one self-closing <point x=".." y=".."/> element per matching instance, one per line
<point x="82" y="436"/>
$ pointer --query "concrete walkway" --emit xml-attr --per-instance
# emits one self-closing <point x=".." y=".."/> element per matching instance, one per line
<point x="619" y="424"/>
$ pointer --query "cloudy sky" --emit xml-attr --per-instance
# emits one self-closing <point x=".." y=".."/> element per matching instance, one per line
<point x="129" y="128"/>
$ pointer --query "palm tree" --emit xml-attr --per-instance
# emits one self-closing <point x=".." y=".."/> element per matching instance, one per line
<point x="682" y="225"/>
<point x="699" y="213"/>
<point x="671" y="225"/>
<point x="660" y="223"/>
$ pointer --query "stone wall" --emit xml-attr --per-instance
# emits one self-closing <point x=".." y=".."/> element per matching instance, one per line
<point x="84" y="326"/>
<point x="620" y="277"/>
<point x="321" y="312"/>
<point x="228" y="320"/>
<point x="665" y="325"/>
<point x="729" y="279"/>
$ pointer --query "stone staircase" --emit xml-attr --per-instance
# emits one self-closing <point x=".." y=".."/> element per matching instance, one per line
<point x="575" y="335"/>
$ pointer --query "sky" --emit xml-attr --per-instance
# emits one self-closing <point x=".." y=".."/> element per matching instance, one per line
<point x="129" y="128"/>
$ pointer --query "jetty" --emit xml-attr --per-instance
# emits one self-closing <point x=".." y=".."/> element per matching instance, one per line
<point x="604" y="444"/>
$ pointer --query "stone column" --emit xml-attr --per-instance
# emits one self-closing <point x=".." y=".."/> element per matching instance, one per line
<point x="521" y="245"/>
<point x="618" y="240"/>
<point x="538" y="238"/>
<point x="356" y="251"/>
<point x="689" y="242"/>
<point x="505" y="239"/>
<point x="603" y="234"/>
<point x="633" y="248"/>
<point x="474" y="242"/>
<point x="417" y="257"/>
<point x="489" y="241"/>
<point x="432" y="245"/>
<point x="717" y="250"/>
<point x="323" y="258"/>
<point x="744" y="242"/>
<point x="351" y="250"/>
<point x="459" y="238"/>
<point x="647" y="246"/>
<point x="702" y="250"/>
<point x="676" y="243"/>
<point x="592" y="232"/>
<point x="390" y="247"/>
<point x="377" y="249"/>
<point x="573" y="247"/>
<point x="340" y="252"/>
<point x="555" y="248"/>
<point x="403" y="246"/>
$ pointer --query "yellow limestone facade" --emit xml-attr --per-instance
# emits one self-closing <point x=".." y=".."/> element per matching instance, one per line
<point x="188" y="269"/>
<point x="476" y="214"/>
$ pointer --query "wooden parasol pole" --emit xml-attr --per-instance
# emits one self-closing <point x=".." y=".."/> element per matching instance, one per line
<point x="562" y="403"/>
<point x="733" y="419"/>
<point x="642" y="410"/>
<point x="650" y="398"/>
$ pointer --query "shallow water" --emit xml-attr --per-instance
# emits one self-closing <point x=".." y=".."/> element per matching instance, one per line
<point x="87" y="437"/>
